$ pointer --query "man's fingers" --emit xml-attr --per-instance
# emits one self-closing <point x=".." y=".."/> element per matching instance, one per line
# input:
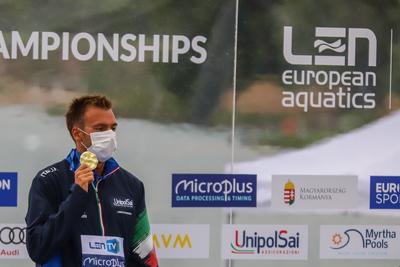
<point x="83" y="167"/>
<point x="86" y="178"/>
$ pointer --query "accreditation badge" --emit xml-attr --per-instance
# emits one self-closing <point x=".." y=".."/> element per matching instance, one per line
<point x="106" y="251"/>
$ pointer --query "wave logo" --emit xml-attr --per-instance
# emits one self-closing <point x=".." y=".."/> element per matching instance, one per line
<point x="245" y="243"/>
<point x="370" y="239"/>
<point x="353" y="35"/>
<point x="289" y="193"/>
<point x="337" y="46"/>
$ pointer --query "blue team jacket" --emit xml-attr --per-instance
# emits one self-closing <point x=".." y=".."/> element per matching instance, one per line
<point x="60" y="211"/>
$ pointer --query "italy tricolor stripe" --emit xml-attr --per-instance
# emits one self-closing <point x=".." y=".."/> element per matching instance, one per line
<point x="143" y="241"/>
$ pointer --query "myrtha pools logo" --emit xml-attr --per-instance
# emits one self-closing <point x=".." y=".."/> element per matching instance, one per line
<point x="289" y="193"/>
<point x="214" y="190"/>
<point x="369" y="239"/>
<point x="359" y="242"/>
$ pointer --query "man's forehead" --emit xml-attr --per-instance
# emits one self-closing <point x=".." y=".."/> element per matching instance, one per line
<point x="95" y="115"/>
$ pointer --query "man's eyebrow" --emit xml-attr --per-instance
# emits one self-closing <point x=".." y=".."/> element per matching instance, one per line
<point x="104" y="125"/>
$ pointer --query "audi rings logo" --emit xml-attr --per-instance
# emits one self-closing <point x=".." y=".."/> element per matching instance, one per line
<point x="12" y="235"/>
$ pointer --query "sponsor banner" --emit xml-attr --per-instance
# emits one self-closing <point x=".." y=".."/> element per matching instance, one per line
<point x="214" y="190"/>
<point x="265" y="242"/>
<point x="331" y="73"/>
<point x="314" y="191"/>
<point x="102" y="251"/>
<point x="181" y="241"/>
<point x="13" y="241"/>
<point x="359" y="242"/>
<point x="384" y="192"/>
<point x="8" y="189"/>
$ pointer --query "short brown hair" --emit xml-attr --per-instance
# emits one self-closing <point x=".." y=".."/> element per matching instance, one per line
<point x="78" y="106"/>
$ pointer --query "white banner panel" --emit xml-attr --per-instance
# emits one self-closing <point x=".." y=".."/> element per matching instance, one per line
<point x="359" y="242"/>
<point x="265" y="242"/>
<point x="291" y="192"/>
<point x="181" y="241"/>
<point x="12" y="241"/>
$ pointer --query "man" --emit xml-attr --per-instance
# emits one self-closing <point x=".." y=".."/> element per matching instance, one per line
<point x="79" y="217"/>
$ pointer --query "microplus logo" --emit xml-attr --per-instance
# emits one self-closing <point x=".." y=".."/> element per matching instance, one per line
<point x="8" y="189"/>
<point x="352" y="34"/>
<point x="214" y="190"/>
<point x="324" y="83"/>
<point x="384" y="192"/>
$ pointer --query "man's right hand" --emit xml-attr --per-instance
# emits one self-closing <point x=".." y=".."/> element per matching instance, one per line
<point x="84" y="176"/>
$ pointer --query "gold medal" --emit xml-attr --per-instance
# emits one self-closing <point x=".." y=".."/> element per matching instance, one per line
<point x="89" y="159"/>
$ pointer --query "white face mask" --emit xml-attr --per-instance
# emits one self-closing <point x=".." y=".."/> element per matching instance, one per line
<point x="103" y="144"/>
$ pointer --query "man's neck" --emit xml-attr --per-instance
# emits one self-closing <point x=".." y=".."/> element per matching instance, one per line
<point x="100" y="168"/>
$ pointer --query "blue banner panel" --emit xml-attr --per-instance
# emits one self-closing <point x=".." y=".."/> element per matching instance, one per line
<point x="8" y="189"/>
<point x="385" y="192"/>
<point x="214" y="190"/>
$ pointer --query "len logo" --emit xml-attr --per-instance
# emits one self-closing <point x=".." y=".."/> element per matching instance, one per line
<point x="352" y="34"/>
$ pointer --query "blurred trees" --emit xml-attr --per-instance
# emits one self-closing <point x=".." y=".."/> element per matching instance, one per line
<point x="187" y="92"/>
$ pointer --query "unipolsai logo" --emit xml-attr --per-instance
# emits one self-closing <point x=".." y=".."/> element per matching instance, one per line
<point x="289" y="194"/>
<point x="338" y="46"/>
<point x="255" y="243"/>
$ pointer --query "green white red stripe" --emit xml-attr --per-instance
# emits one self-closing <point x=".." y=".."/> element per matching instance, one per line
<point x="142" y="242"/>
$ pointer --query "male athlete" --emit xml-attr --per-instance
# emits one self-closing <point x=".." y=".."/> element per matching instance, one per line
<point x="83" y="217"/>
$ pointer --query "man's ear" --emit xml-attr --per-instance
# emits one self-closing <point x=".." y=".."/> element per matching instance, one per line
<point x="76" y="135"/>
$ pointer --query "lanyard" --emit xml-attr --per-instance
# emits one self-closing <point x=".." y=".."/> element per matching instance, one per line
<point x="99" y="208"/>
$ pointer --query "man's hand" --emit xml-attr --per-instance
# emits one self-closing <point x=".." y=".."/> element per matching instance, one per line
<point x="84" y="176"/>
